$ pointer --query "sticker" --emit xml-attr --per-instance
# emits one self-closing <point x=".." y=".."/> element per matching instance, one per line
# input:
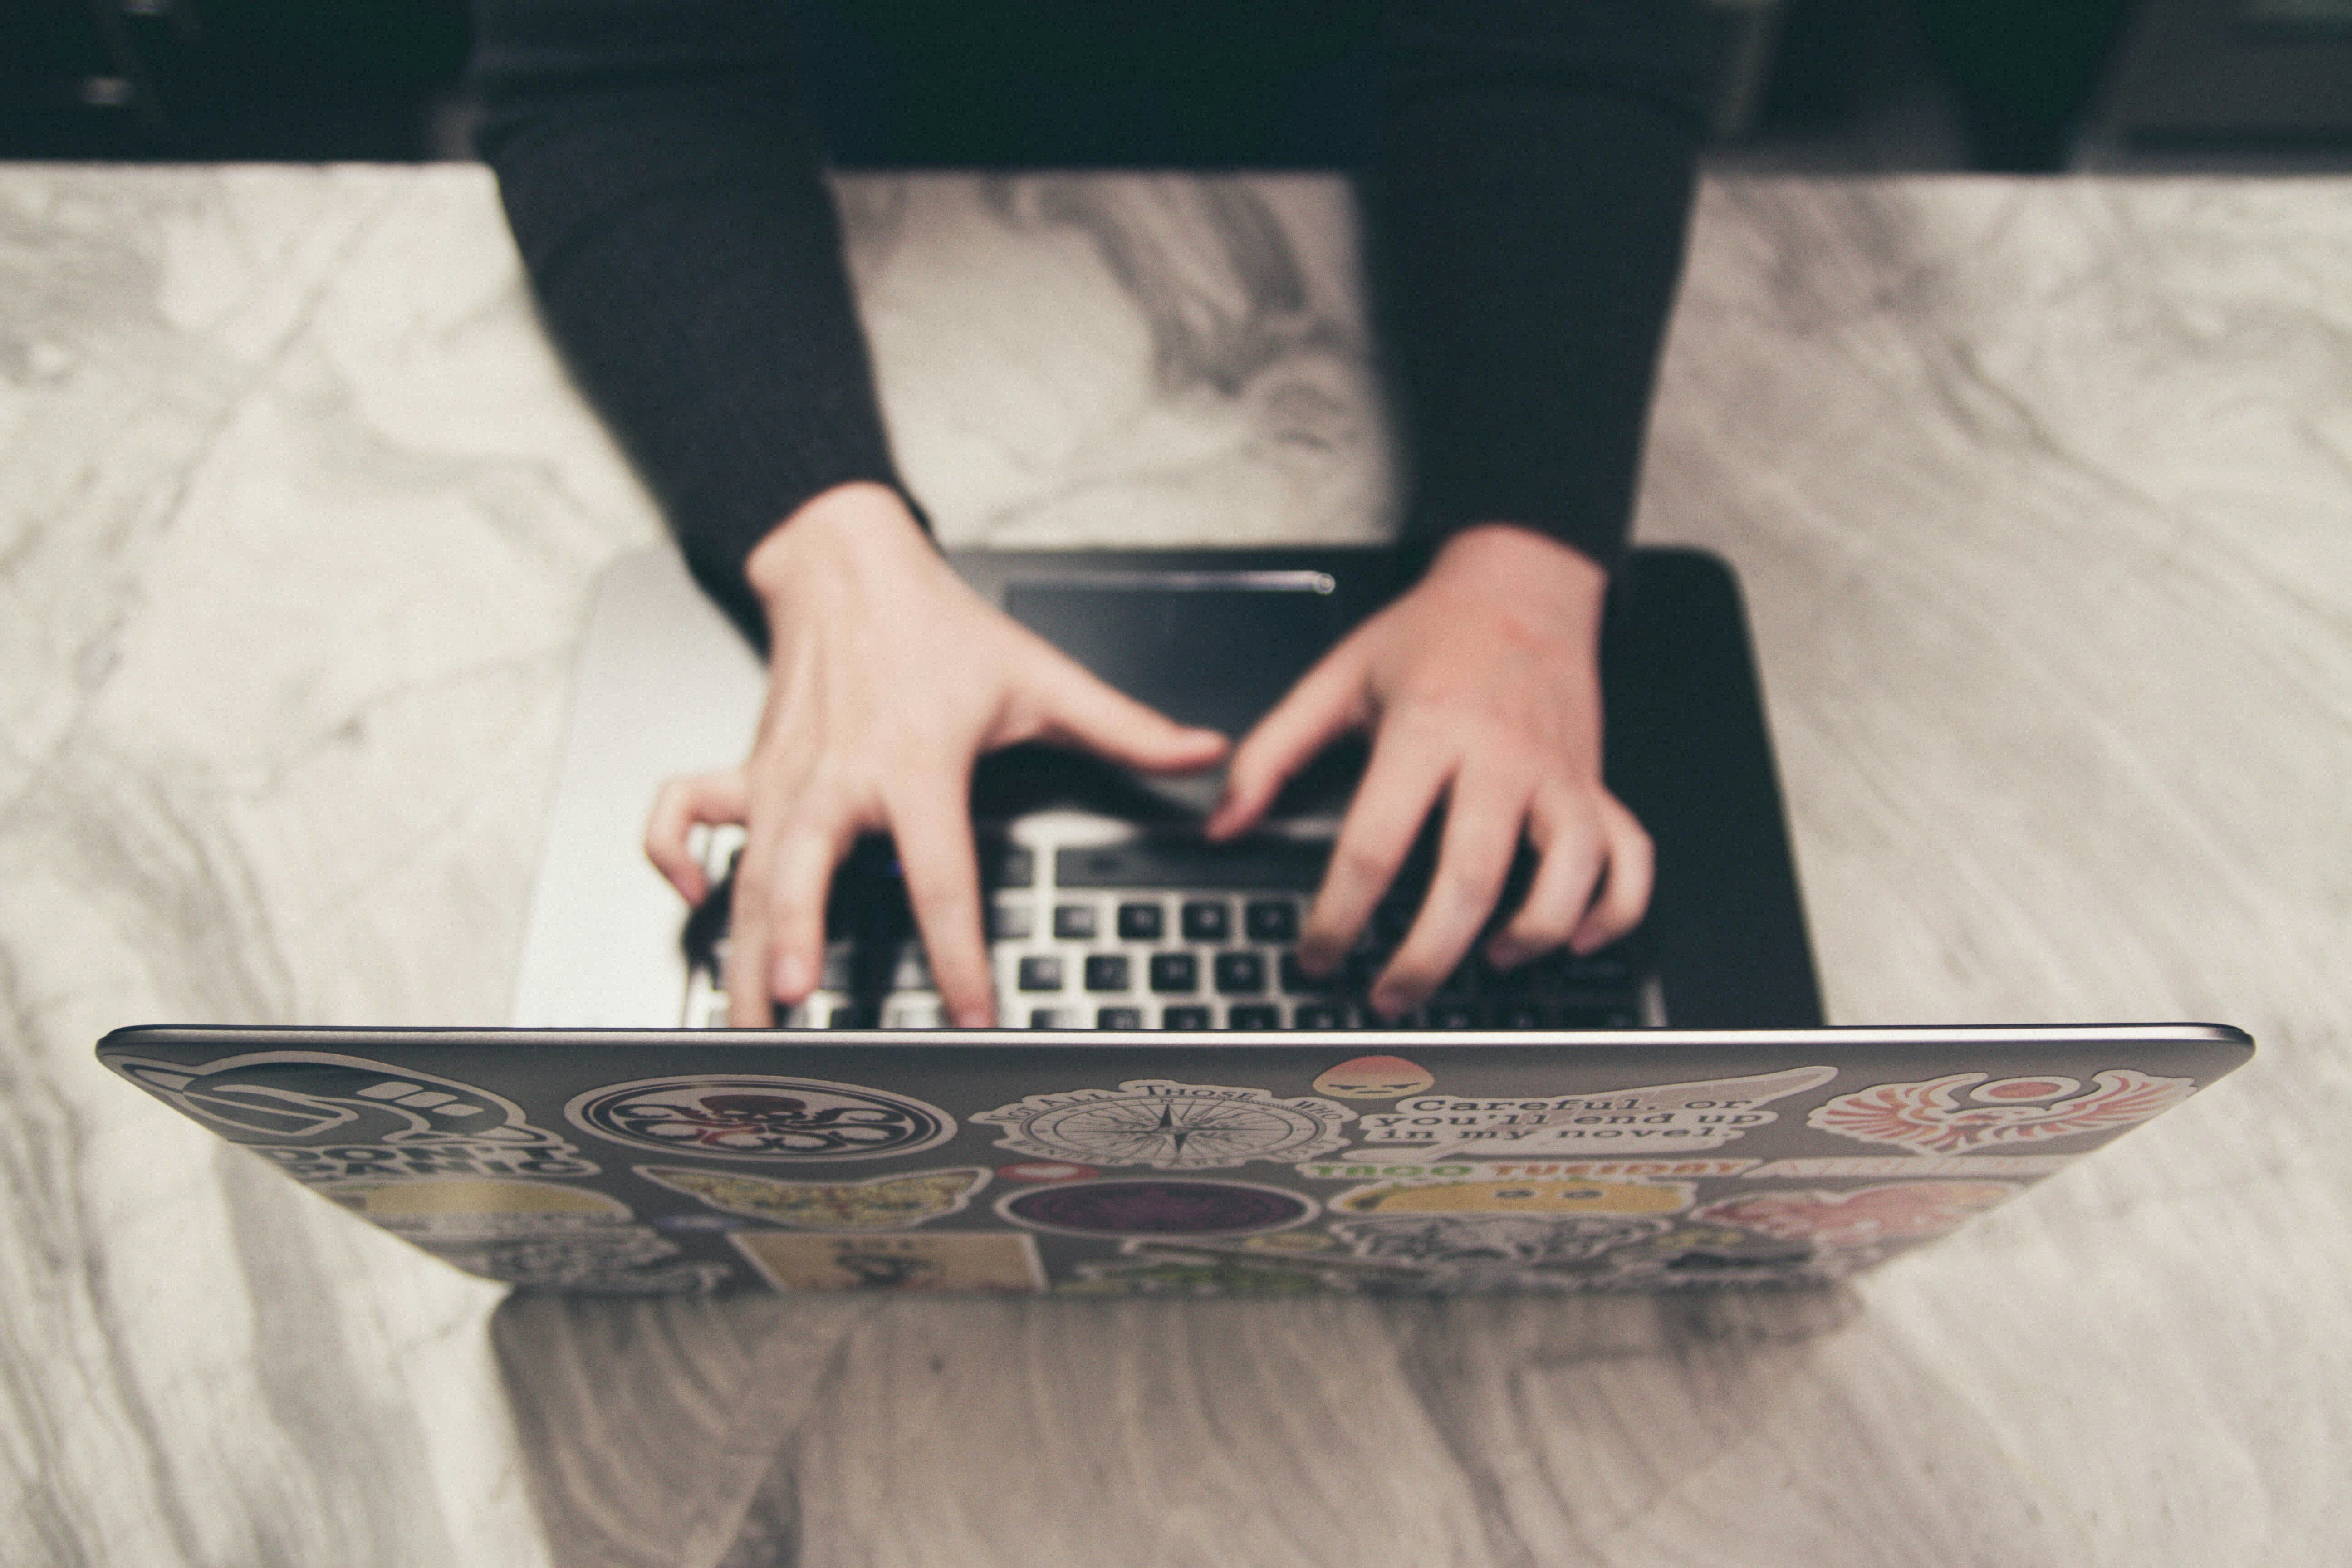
<point x="1913" y="1165"/>
<point x="325" y="1118"/>
<point x="1149" y="1206"/>
<point x="1168" y="1126"/>
<point x="1705" y="1256"/>
<point x="1374" y="1077"/>
<point x="1347" y="1168"/>
<point x="1046" y="1171"/>
<point x="1671" y="1117"/>
<point x="1929" y="1118"/>
<point x="1162" y="1269"/>
<point x="1900" y="1211"/>
<point x="1289" y="1241"/>
<point x="1516" y="1240"/>
<point x="432" y="1210"/>
<point x="998" y="1262"/>
<point x="759" y="1118"/>
<point x="697" y="1224"/>
<point x="608" y="1262"/>
<point x="1517" y="1195"/>
<point x="879" y="1203"/>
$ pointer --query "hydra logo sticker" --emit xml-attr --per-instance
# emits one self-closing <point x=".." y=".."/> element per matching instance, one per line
<point x="1168" y="1126"/>
<point x="746" y="1117"/>
<point x="325" y="1118"/>
<point x="1929" y="1118"/>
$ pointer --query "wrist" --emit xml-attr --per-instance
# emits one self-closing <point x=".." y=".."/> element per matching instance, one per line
<point x="854" y="523"/>
<point x="1511" y="567"/>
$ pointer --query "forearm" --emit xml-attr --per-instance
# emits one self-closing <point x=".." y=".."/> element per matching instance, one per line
<point x="1529" y="213"/>
<point x="667" y="189"/>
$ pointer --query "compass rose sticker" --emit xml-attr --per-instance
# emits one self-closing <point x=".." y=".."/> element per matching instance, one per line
<point x="1168" y="1126"/>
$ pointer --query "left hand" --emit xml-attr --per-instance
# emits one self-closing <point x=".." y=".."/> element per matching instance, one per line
<point x="1482" y="685"/>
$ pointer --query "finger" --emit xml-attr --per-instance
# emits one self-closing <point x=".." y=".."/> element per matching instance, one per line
<point x="1083" y="711"/>
<point x="1625" y="894"/>
<point x="776" y="947"/>
<point x="1327" y="701"/>
<point x="1401" y="784"/>
<point x="681" y="805"/>
<point x="1567" y="832"/>
<point x="1484" y="815"/>
<point x="930" y="820"/>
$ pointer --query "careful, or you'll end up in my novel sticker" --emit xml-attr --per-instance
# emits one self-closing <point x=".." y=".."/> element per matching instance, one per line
<point x="1665" y="1118"/>
<point x="1168" y="1126"/>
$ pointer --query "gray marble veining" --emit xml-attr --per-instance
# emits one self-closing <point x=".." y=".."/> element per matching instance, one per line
<point x="2042" y="496"/>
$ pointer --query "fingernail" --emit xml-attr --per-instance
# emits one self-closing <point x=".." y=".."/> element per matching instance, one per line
<point x="792" y="975"/>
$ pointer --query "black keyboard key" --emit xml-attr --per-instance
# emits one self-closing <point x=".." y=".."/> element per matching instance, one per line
<point x="1041" y="974"/>
<point x="1184" y="1017"/>
<point x="1518" y="1016"/>
<point x="1608" y="1017"/>
<point x="1140" y="922"/>
<point x="1252" y="1015"/>
<point x="1175" y="972"/>
<point x="1391" y="920"/>
<point x="1362" y="969"/>
<point x="1119" y="1018"/>
<point x="1296" y="981"/>
<point x="1003" y="865"/>
<point x="1074" y="922"/>
<point x="1206" y="921"/>
<point x="1458" y="983"/>
<point x="1106" y="971"/>
<point x="848" y="1018"/>
<point x="1253" y="865"/>
<point x="1320" y="1015"/>
<point x="1054" y="1018"/>
<point x="1452" y="1015"/>
<point x="1270" y="920"/>
<point x="1008" y="922"/>
<point x="1239" y="972"/>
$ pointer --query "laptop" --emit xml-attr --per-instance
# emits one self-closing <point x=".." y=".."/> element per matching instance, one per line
<point x="1178" y="1108"/>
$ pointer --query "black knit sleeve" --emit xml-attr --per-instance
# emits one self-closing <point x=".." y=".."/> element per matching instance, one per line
<point x="1528" y="209"/>
<point x="666" y="186"/>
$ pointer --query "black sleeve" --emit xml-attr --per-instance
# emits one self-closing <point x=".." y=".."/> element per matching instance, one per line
<point x="1534" y="184"/>
<point x="666" y="186"/>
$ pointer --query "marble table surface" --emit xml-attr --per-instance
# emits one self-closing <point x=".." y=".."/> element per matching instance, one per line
<point x="2042" y="497"/>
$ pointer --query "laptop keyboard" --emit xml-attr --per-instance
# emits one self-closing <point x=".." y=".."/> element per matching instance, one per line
<point x="1145" y="931"/>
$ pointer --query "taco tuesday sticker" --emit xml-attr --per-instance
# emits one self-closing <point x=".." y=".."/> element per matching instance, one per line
<point x="750" y="1117"/>
<point x="882" y="1203"/>
<point x="1168" y="1126"/>
<point x="326" y="1118"/>
<point x="1517" y="1195"/>
<point x="1665" y="1117"/>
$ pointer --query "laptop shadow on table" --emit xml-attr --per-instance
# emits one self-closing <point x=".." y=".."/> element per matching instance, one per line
<point x="690" y="1430"/>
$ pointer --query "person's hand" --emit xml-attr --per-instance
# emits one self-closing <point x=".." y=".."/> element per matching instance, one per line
<point x="887" y="677"/>
<point x="1481" y="685"/>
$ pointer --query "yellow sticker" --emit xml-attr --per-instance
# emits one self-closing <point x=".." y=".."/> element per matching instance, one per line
<point x="881" y="1203"/>
<point x="455" y="1209"/>
<point x="1505" y="1196"/>
<point x="1374" y="1077"/>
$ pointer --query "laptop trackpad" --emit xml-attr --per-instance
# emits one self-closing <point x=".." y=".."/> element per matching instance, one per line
<point x="1217" y="648"/>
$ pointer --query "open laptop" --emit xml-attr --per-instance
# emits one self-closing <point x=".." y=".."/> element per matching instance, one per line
<point x="1185" y="1112"/>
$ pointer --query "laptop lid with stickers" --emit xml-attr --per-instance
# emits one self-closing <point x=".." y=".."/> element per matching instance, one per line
<point x="1228" y="1163"/>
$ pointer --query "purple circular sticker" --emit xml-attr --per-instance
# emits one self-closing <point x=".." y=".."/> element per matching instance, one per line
<point x="1145" y="1206"/>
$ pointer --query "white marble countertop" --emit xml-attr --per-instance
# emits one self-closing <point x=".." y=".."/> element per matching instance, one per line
<point x="2042" y="496"/>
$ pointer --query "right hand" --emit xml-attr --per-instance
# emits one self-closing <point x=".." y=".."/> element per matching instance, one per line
<point x="887" y="678"/>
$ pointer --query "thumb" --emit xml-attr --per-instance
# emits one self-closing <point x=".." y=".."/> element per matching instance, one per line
<point x="1077" y="708"/>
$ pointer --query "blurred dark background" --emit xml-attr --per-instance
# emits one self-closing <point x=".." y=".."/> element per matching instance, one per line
<point x="2005" y="85"/>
